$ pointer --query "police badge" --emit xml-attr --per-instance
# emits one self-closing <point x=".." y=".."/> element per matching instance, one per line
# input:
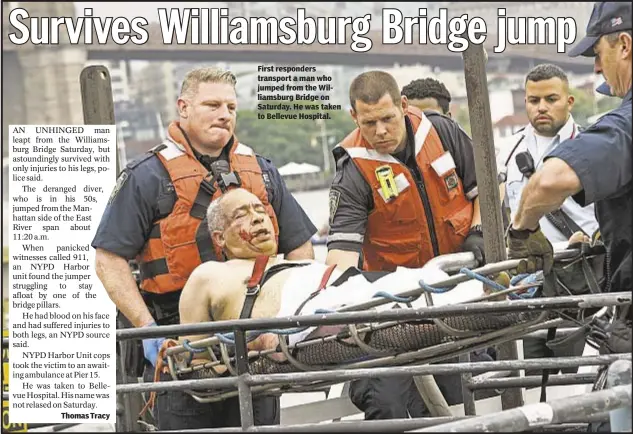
<point x="334" y="199"/>
<point x="451" y="181"/>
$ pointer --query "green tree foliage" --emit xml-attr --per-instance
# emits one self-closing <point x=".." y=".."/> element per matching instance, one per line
<point x="583" y="106"/>
<point x="288" y="140"/>
<point x="462" y="117"/>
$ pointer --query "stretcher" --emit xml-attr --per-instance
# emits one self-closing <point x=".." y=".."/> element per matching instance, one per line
<point x="399" y="337"/>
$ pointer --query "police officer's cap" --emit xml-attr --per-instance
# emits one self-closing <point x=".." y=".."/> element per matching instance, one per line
<point x="604" y="89"/>
<point x="606" y="17"/>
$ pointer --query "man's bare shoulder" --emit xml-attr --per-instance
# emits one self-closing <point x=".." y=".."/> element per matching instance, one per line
<point x="211" y="270"/>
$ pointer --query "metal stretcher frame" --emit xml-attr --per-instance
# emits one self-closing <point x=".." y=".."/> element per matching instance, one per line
<point x="246" y="381"/>
<point x="430" y="354"/>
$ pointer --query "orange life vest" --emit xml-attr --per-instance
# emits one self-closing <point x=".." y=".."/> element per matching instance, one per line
<point x="179" y="242"/>
<point x="399" y="232"/>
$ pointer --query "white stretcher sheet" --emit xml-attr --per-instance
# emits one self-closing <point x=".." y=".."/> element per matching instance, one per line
<point x="301" y="283"/>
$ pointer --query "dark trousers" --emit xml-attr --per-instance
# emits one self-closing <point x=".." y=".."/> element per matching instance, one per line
<point x="398" y="397"/>
<point x="178" y="410"/>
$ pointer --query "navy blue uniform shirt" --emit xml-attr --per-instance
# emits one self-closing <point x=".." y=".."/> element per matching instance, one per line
<point x="146" y="195"/>
<point x="602" y="158"/>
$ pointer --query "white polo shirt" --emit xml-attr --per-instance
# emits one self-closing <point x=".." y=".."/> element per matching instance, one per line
<point x="538" y="147"/>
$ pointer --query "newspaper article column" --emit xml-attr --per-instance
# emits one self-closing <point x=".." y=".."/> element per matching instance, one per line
<point x="61" y="320"/>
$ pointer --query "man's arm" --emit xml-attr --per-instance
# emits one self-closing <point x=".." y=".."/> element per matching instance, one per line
<point x="305" y="251"/>
<point x="343" y="259"/>
<point x="126" y="222"/>
<point x="350" y="202"/>
<point x="546" y="191"/>
<point x="114" y="272"/>
<point x="476" y="213"/>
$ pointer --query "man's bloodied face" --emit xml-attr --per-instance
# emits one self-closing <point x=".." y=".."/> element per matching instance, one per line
<point x="248" y="230"/>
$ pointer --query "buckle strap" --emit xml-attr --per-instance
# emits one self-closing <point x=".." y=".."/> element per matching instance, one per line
<point x="551" y="334"/>
<point x="253" y="286"/>
<point x="326" y="276"/>
<point x="565" y="224"/>
<point x="204" y="243"/>
<point x="153" y="268"/>
<point x="155" y="232"/>
<point x="258" y="271"/>
<point x="202" y="200"/>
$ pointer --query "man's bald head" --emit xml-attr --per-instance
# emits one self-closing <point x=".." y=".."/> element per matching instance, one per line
<point x="240" y="225"/>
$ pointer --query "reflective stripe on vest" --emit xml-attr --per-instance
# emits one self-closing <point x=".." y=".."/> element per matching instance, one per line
<point x="397" y="232"/>
<point x="179" y="242"/>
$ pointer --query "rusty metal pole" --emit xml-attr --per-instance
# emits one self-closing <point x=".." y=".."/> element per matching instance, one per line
<point x="98" y="109"/>
<point x="475" y="60"/>
<point x="96" y="98"/>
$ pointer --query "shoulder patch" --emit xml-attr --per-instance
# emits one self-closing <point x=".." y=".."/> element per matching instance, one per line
<point x="267" y="181"/>
<point x="117" y="187"/>
<point x="335" y="196"/>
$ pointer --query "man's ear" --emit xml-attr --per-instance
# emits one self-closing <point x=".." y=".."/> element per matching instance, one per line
<point x="352" y="113"/>
<point x="183" y="105"/>
<point x="404" y="101"/>
<point x="627" y="42"/>
<point x="570" y="101"/>
<point x="218" y="239"/>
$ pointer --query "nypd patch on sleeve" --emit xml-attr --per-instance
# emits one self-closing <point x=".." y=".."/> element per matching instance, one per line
<point x="119" y="183"/>
<point x="335" y="196"/>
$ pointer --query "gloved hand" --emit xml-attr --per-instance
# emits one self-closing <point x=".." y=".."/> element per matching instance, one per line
<point x="532" y="245"/>
<point x="474" y="242"/>
<point x="503" y="279"/>
<point x="151" y="346"/>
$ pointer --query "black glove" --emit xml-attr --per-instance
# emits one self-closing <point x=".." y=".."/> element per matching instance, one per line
<point x="532" y="245"/>
<point x="474" y="242"/>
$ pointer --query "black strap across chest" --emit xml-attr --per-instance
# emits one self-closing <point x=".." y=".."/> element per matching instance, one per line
<point x="259" y="277"/>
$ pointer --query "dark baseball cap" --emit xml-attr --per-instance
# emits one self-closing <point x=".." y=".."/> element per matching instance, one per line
<point x="606" y="17"/>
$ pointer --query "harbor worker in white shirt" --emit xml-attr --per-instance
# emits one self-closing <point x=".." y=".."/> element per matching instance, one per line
<point x="548" y="104"/>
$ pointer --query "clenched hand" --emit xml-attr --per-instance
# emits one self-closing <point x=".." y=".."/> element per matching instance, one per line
<point x="532" y="247"/>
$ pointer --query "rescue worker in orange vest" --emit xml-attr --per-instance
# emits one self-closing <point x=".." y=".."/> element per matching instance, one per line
<point x="404" y="192"/>
<point x="157" y="215"/>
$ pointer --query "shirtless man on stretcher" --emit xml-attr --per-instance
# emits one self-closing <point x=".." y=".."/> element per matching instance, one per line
<point x="240" y="226"/>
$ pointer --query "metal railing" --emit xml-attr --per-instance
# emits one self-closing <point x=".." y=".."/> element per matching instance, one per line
<point x="245" y="384"/>
<point x="248" y="384"/>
